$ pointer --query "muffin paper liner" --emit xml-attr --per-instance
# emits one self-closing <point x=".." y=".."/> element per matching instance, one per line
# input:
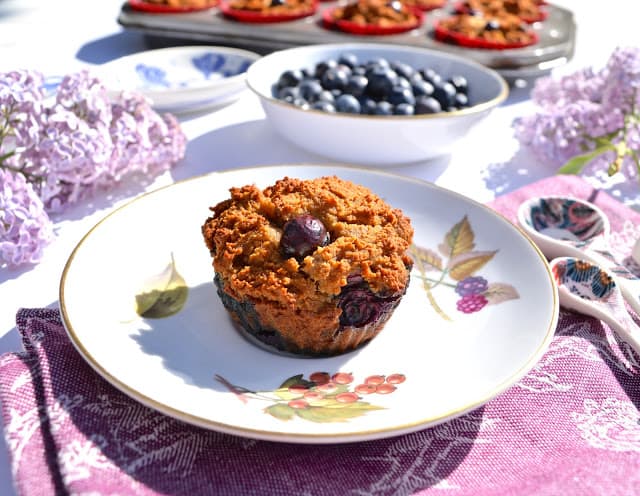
<point x="156" y="8"/>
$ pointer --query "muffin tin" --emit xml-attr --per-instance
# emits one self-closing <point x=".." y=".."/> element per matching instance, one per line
<point x="554" y="48"/>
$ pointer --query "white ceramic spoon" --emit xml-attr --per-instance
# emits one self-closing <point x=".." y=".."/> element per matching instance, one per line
<point x="565" y="226"/>
<point x="589" y="289"/>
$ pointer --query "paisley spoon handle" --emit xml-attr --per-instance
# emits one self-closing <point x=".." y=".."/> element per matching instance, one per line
<point x="629" y="283"/>
<point x="626" y="328"/>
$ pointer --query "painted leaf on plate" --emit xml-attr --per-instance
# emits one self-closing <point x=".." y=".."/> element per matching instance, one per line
<point x="426" y="259"/>
<point x="498" y="292"/>
<point x="162" y="295"/>
<point x="459" y="239"/>
<point x="466" y="264"/>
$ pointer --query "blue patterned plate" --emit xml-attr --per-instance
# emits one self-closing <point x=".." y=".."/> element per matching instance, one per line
<point x="182" y="78"/>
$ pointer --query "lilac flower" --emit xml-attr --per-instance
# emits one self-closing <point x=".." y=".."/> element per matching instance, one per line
<point x="588" y="118"/>
<point x="80" y="141"/>
<point x="25" y="228"/>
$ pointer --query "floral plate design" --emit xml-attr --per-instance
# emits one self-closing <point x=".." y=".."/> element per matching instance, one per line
<point x="181" y="78"/>
<point x="150" y="321"/>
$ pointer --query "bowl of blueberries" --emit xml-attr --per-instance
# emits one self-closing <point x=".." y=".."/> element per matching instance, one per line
<point x="372" y="103"/>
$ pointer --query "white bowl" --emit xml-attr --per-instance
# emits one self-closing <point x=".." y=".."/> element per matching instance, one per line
<point x="181" y="78"/>
<point x="375" y="140"/>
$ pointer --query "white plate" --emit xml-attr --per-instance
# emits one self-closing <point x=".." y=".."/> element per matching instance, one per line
<point x="183" y="365"/>
<point x="181" y="78"/>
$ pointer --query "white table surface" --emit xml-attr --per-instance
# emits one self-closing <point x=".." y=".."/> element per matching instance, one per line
<point x="57" y="37"/>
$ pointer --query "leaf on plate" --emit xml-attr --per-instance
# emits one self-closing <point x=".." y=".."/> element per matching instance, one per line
<point x="335" y="413"/>
<point x="162" y="295"/>
<point x="498" y="292"/>
<point x="280" y="411"/>
<point x="426" y="259"/>
<point x="467" y="264"/>
<point x="286" y="393"/>
<point x="458" y="240"/>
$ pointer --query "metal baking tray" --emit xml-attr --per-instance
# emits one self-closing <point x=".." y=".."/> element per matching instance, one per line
<point x="555" y="47"/>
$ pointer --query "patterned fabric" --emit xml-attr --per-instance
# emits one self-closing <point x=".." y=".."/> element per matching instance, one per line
<point x="571" y="426"/>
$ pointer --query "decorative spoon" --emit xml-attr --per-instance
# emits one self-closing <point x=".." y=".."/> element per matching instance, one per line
<point x="589" y="289"/>
<point x="565" y="226"/>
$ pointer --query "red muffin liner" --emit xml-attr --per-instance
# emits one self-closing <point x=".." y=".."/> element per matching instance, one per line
<point x="447" y="36"/>
<point x="258" y="17"/>
<point x="461" y="8"/>
<point x="368" y="29"/>
<point x="158" y="8"/>
<point x="434" y="7"/>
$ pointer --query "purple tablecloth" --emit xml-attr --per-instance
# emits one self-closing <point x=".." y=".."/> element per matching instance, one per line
<point x="571" y="426"/>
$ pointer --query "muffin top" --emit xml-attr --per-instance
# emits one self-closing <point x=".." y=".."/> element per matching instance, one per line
<point x="367" y="239"/>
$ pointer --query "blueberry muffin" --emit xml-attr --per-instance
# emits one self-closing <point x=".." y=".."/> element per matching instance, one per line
<point x="268" y="10"/>
<point x="381" y="15"/>
<point x="310" y="267"/>
<point x="478" y="31"/>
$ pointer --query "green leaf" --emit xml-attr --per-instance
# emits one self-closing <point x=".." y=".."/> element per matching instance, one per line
<point x="280" y="411"/>
<point x="577" y="163"/>
<point x="162" y="295"/>
<point x="336" y="414"/>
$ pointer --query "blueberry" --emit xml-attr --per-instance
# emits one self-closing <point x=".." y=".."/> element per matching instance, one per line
<point x="381" y="81"/>
<point x="290" y="78"/>
<point x="461" y="100"/>
<point x="431" y="76"/>
<point x="348" y="103"/>
<point x="395" y="5"/>
<point x="323" y="106"/>
<point x="403" y="70"/>
<point x="383" y="108"/>
<point x="323" y="67"/>
<point x="348" y="59"/>
<point x="492" y="25"/>
<point x="427" y="105"/>
<point x="289" y="93"/>
<point x="302" y="235"/>
<point x="301" y="102"/>
<point x="400" y="95"/>
<point x="380" y="62"/>
<point x="359" y="70"/>
<point x="275" y="3"/>
<point x="356" y="85"/>
<point x="334" y="79"/>
<point x="460" y="84"/>
<point x="445" y="93"/>
<point x="422" y="88"/>
<point x="404" y="109"/>
<point x="310" y="89"/>
<point x="361" y="306"/>
<point x="326" y="96"/>
<point x="368" y="106"/>
<point x="403" y="81"/>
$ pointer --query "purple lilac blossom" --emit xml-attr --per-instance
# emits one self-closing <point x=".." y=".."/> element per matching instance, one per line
<point x="83" y="139"/>
<point x="577" y="109"/>
<point x="25" y="228"/>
